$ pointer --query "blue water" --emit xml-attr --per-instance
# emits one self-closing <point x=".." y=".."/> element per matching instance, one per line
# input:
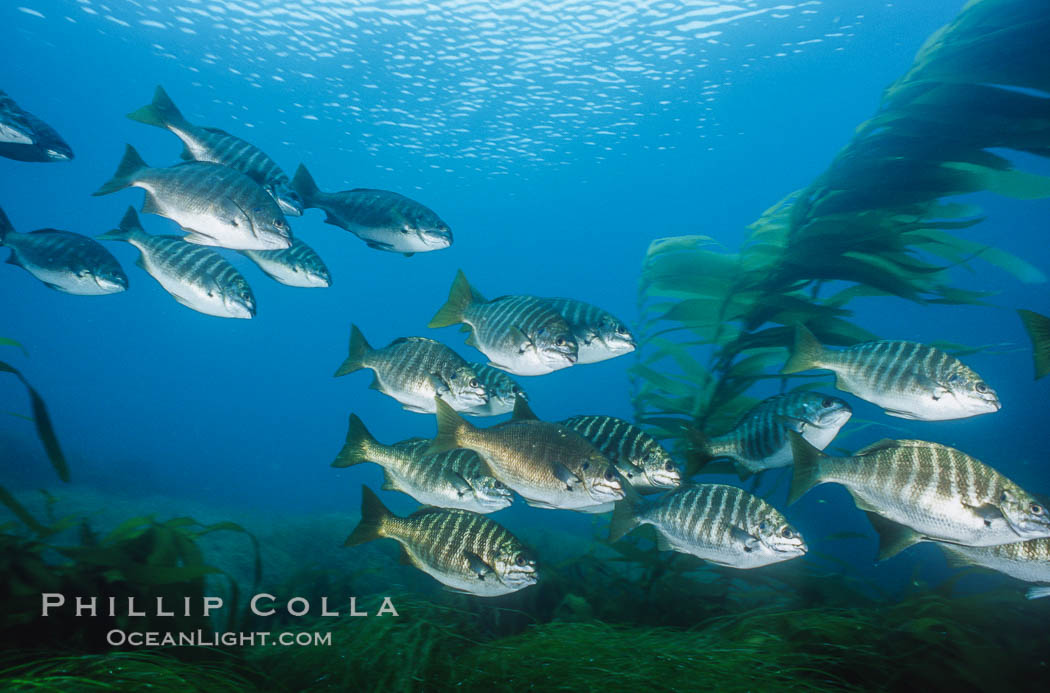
<point x="556" y="139"/>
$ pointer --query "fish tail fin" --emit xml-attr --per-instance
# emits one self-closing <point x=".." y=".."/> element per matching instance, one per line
<point x="699" y="453"/>
<point x="131" y="164"/>
<point x="451" y="427"/>
<point x="1037" y="592"/>
<point x="359" y="348"/>
<point x="624" y="518"/>
<point x="129" y="228"/>
<point x="359" y="444"/>
<point x="806" y="473"/>
<point x="5" y="226"/>
<point x="304" y="185"/>
<point x="373" y="516"/>
<point x="893" y="537"/>
<point x="460" y="296"/>
<point x="1037" y="326"/>
<point x="161" y="113"/>
<point x="806" y="353"/>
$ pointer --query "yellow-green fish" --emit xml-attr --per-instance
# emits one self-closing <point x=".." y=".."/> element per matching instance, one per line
<point x="906" y="379"/>
<point x="464" y="551"/>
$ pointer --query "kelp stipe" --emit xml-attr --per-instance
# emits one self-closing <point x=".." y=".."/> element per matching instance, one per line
<point x="877" y="222"/>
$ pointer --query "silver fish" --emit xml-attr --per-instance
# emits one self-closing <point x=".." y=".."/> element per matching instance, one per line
<point x="464" y="551"/>
<point x="637" y="456"/>
<point x="721" y="524"/>
<point x="503" y="391"/>
<point x="759" y="440"/>
<point x="197" y="277"/>
<point x="216" y="204"/>
<point x="298" y="265"/>
<point x="1025" y="560"/>
<point x="523" y="335"/>
<point x="544" y="463"/>
<point x="453" y="479"/>
<point x="384" y="220"/>
<point x="907" y="379"/>
<point x="63" y="260"/>
<point x="415" y="370"/>
<point x="599" y="334"/>
<point x="220" y="147"/>
<point x="24" y="137"/>
<point x="928" y="491"/>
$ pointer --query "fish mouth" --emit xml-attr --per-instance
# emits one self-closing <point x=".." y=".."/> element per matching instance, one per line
<point x="289" y="206"/>
<point x="319" y="279"/>
<point x="434" y="238"/>
<point x="520" y="576"/>
<point x="665" y="479"/>
<point x="620" y="345"/>
<point x="57" y="155"/>
<point x="112" y="285"/>
<point x="605" y="492"/>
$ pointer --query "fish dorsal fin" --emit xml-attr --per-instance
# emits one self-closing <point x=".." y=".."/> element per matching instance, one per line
<point x="407" y="340"/>
<point x="522" y="411"/>
<point x="217" y="131"/>
<point x="884" y="444"/>
<point x="478" y="566"/>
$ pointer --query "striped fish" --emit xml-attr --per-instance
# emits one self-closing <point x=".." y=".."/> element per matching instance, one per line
<point x="63" y="260"/>
<point x="721" y="524"/>
<point x="298" y="265"/>
<point x="503" y="391"/>
<point x="453" y="479"/>
<point x="464" y="551"/>
<point x="598" y="333"/>
<point x="197" y="277"/>
<point x="759" y="440"/>
<point x="415" y="370"/>
<point x="928" y="491"/>
<point x="906" y="379"/>
<point x="1038" y="328"/>
<point x="1025" y="560"/>
<point x="24" y="137"/>
<point x="216" y="204"/>
<point x="220" y="147"/>
<point x="520" y="334"/>
<point x="544" y="463"/>
<point x="637" y="456"/>
<point x="384" y="220"/>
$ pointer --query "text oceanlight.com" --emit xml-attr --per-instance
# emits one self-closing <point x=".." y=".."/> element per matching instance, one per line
<point x="201" y="638"/>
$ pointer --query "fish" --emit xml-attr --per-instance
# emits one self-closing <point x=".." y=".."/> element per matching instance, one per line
<point x="721" y="524"/>
<point x="220" y="147"/>
<point x="637" y="456"/>
<point x="63" y="260"/>
<point x="216" y="204"/>
<point x="545" y="463"/>
<point x="759" y="440"/>
<point x="907" y="379"/>
<point x="384" y="220"/>
<point x="522" y="335"/>
<point x="599" y="334"/>
<point x="928" y="490"/>
<point x="298" y="265"/>
<point x="197" y="277"/>
<point x="413" y="370"/>
<point x="1038" y="328"/>
<point x="24" y="137"/>
<point x="503" y="391"/>
<point x="452" y="479"/>
<point x="467" y="552"/>
<point x="1028" y="561"/>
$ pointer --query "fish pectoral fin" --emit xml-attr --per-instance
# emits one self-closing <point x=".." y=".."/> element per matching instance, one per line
<point x="597" y="509"/>
<point x="416" y="409"/>
<point x="791" y="423"/>
<point x="379" y="245"/>
<point x="199" y="238"/>
<point x="441" y="388"/>
<point x="566" y="475"/>
<point x="461" y="485"/>
<point x="987" y="512"/>
<point x="524" y="343"/>
<point x="477" y="565"/>
<point x="900" y="414"/>
<point x="739" y="534"/>
<point x="540" y="504"/>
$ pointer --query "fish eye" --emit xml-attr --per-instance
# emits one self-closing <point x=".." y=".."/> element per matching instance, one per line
<point x="497" y="484"/>
<point x="1004" y="497"/>
<point x="520" y="560"/>
<point x="1036" y="509"/>
<point x="669" y="466"/>
<point x="560" y="341"/>
<point x="586" y="465"/>
<point x="473" y="382"/>
<point x="787" y="533"/>
<point x="610" y="474"/>
<point x="827" y="402"/>
<point x="763" y="526"/>
<point x="981" y="387"/>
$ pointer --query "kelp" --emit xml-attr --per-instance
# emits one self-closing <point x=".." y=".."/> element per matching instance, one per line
<point x="45" y="430"/>
<point x="1038" y="328"/>
<point x="880" y="222"/>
